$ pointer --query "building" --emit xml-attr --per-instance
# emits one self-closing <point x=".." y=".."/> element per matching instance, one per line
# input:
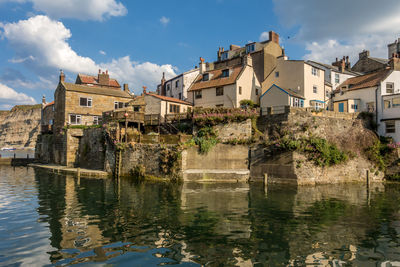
<point x="377" y="93"/>
<point x="83" y="102"/>
<point x="299" y="77"/>
<point x="227" y="86"/>
<point x="178" y="86"/>
<point x="367" y="64"/>
<point x="276" y="96"/>
<point x="47" y="117"/>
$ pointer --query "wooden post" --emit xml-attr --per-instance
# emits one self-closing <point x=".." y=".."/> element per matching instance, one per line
<point x="126" y="130"/>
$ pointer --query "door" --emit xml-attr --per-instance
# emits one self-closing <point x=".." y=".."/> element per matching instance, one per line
<point x="341" y="107"/>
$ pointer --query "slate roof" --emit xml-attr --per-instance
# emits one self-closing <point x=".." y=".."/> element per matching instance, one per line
<point x="170" y="99"/>
<point x="334" y="68"/>
<point x="95" y="90"/>
<point x="87" y="79"/>
<point x="216" y="79"/>
<point x="380" y="60"/>
<point x="365" y="81"/>
<point x="288" y="91"/>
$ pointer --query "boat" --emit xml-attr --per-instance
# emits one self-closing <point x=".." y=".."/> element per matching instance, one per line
<point x="8" y="149"/>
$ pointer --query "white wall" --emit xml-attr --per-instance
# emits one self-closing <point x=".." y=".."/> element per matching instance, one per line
<point x="365" y="95"/>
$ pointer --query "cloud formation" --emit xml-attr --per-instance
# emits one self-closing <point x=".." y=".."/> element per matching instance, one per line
<point x="42" y="45"/>
<point x="9" y="97"/>
<point x="341" y="27"/>
<point x="77" y="9"/>
<point x="164" y="20"/>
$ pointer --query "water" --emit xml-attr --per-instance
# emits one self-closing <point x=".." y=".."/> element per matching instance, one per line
<point x="47" y="219"/>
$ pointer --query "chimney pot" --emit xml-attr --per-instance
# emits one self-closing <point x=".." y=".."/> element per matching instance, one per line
<point x="62" y="76"/>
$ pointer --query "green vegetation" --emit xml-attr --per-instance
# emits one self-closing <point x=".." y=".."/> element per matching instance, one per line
<point x="247" y="103"/>
<point x="81" y="127"/>
<point x="318" y="150"/>
<point x="214" y="116"/>
<point x="380" y="153"/>
<point x="206" y="139"/>
<point x="169" y="161"/>
<point x="26" y="107"/>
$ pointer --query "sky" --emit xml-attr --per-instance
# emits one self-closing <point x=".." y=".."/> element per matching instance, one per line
<point x="136" y="41"/>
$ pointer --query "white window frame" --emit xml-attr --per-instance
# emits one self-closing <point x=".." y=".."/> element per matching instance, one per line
<point x="337" y="78"/>
<point x="354" y="106"/>
<point x="390" y="128"/>
<point x="77" y="118"/>
<point x="96" y="120"/>
<point x="389" y="90"/>
<point x="314" y="71"/>
<point x="89" y="102"/>
<point x="315" y="89"/>
<point x="117" y="104"/>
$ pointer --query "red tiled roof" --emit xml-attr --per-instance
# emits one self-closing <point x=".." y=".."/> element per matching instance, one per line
<point x="49" y="104"/>
<point x="365" y="81"/>
<point x="216" y="79"/>
<point x="170" y="99"/>
<point x="87" y="79"/>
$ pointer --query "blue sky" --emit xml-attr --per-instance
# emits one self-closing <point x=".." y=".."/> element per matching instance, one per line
<point x="138" y="40"/>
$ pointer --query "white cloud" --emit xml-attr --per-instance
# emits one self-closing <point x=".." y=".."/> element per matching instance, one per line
<point x="164" y="20"/>
<point x="102" y="53"/>
<point x="77" y="9"/>
<point x="9" y="96"/>
<point x="336" y="28"/>
<point x="21" y="60"/>
<point x="43" y="44"/>
<point x="264" y="36"/>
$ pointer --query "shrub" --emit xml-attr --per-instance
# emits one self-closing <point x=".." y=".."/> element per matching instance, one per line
<point x="246" y="103"/>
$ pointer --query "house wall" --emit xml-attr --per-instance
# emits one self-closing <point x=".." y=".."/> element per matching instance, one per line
<point x="47" y="115"/>
<point x="342" y="77"/>
<point x="311" y="80"/>
<point x="389" y="113"/>
<point x="100" y="103"/>
<point x="274" y="97"/>
<point x="249" y="83"/>
<point x="210" y="99"/>
<point x="367" y="65"/>
<point x="188" y="79"/>
<point x="393" y="77"/>
<point x="365" y="96"/>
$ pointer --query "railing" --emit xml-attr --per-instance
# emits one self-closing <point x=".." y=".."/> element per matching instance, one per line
<point x="274" y="110"/>
<point x="177" y="117"/>
<point x="152" y="119"/>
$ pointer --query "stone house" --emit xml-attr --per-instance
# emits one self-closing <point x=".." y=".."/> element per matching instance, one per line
<point x="367" y="64"/>
<point x="82" y="103"/>
<point x="299" y="77"/>
<point x="47" y="117"/>
<point x="227" y="86"/>
<point x="178" y="86"/>
<point x="377" y="93"/>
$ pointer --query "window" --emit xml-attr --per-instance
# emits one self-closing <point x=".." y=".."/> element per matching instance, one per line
<point x="256" y="91"/>
<point x="354" y="106"/>
<point x="197" y="94"/>
<point x="389" y="88"/>
<point x="327" y="94"/>
<point x="177" y="84"/>
<point x="390" y="126"/>
<point x="224" y="56"/>
<point x="250" y="48"/>
<point x="180" y="95"/>
<point x="174" y="108"/>
<point x="168" y="87"/>
<point x="240" y="90"/>
<point x="371" y="107"/>
<point x="205" y="77"/>
<point x="337" y="78"/>
<point x="225" y="73"/>
<point x="276" y="74"/>
<point x="386" y="104"/>
<point x="219" y="105"/>
<point x="85" y="102"/>
<point x="118" y="105"/>
<point x="136" y="108"/>
<point x="315" y="71"/>
<point x="75" y="119"/>
<point x="396" y="102"/>
<point x="296" y="102"/>
<point x="95" y="120"/>
<point x="315" y="89"/>
<point x="219" y="91"/>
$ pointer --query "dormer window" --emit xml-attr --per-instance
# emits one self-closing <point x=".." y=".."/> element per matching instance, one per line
<point x="250" y="48"/>
<point x="225" y="73"/>
<point x="205" y="77"/>
<point x="224" y="56"/>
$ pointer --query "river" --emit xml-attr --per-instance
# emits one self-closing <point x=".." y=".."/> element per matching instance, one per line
<point x="49" y="219"/>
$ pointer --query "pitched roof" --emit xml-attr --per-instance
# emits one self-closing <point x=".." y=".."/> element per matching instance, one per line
<point x="170" y="99"/>
<point x="87" y="79"/>
<point x="380" y="60"/>
<point x="333" y="68"/>
<point x="49" y="104"/>
<point x="216" y="79"/>
<point x="287" y="91"/>
<point x="365" y="81"/>
<point x="95" y="90"/>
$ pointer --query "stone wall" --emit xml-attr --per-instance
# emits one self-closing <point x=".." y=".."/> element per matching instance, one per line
<point x="91" y="150"/>
<point x="221" y="163"/>
<point x="232" y="130"/>
<point x="44" y="150"/>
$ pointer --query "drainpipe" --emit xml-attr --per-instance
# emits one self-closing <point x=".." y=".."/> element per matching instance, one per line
<point x="376" y="107"/>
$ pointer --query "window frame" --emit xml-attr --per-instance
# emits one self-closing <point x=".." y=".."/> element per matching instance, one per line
<point x="77" y="117"/>
<point x="388" y="90"/>
<point x="89" y="102"/>
<point x="219" y="91"/>
<point x="389" y="129"/>
<point x="225" y="73"/>
<point x="276" y="74"/>
<point x="314" y="71"/>
<point x="206" y="77"/>
<point x="240" y="90"/>
<point x="198" y="94"/>
<point x="174" y="108"/>
<point x="95" y="120"/>
<point x="337" y="78"/>
<point x="177" y="84"/>
<point x="315" y="89"/>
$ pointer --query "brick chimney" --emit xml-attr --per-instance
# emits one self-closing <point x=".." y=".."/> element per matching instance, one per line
<point x="273" y="37"/>
<point x="62" y="76"/>
<point x="219" y="53"/>
<point x="394" y="62"/>
<point x="103" y="78"/>
<point x="144" y="90"/>
<point x="247" y="60"/>
<point x="126" y="88"/>
<point x="43" y="100"/>
<point x="364" y="54"/>
<point x="342" y="64"/>
<point x="163" y="80"/>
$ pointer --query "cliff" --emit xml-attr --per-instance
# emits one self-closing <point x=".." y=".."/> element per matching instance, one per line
<point x="19" y="127"/>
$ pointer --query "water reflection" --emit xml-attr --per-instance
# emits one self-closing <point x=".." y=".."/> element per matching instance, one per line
<point x="195" y="224"/>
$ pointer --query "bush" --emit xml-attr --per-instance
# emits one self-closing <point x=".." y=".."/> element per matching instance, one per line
<point x="379" y="152"/>
<point x="214" y="116"/>
<point x="246" y="103"/>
